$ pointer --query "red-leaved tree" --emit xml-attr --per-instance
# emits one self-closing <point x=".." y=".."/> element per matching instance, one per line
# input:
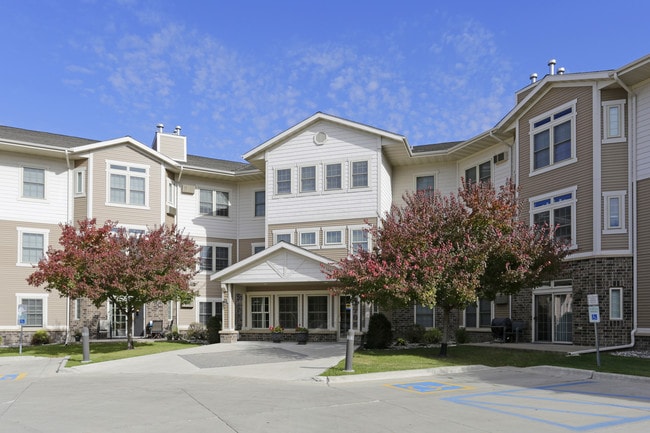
<point x="105" y="263"/>
<point x="449" y="250"/>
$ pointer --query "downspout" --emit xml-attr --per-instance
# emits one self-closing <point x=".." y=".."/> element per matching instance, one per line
<point x="70" y="199"/>
<point x="632" y="164"/>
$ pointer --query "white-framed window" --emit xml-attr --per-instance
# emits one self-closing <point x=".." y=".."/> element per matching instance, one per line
<point x="257" y="247"/>
<point x="214" y="257"/>
<point x="308" y="238"/>
<point x="616" y="303"/>
<point x="479" y="173"/>
<point x="79" y="181"/>
<point x="613" y="121"/>
<point x="33" y="180"/>
<point x="425" y="316"/>
<point x="359" y="239"/>
<point x="208" y="307"/>
<point x="127" y="184"/>
<point x="333" y="237"/>
<point x="77" y="309"/>
<point x="260" y="312"/>
<point x="425" y="183"/>
<point x="283" y="235"/>
<point x="558" y="210"/>
<point x="170" y="196"/>
<point x="317" y="311"/>
<point x="552" y="138"/>
<point x="359" y="174"/>
<point x="308" y="178"/>
<point x="287" y="311"/>
<point x="171" y="306"/>
<point x="614" y="211"/>
<point x="214" y="202"/>
<point x="260" y="203"/>
<point x="333" y="176"/>
<point x="479" y="315"/>
<point x="32" y="245"/>
<point x="34" y="306"/>
<point x="283" y="181"/>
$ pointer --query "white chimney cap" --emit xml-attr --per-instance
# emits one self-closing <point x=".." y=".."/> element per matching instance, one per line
<point x="533" y="77"/>
<point x="160" y="127"/>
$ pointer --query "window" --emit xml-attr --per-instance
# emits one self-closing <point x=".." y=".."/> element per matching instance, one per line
<point x="359" y="239"/>
<point x="33" y="307"/>
<point x="317" y="312"/>
<point x="209" y="308"/>
<point x="288" y="311"/>
<point x="614" y="211"/>
<point x="77" y="309"/>
<point x="260" y="203"/>
<point x="424" y="316"/>
<point x="214" y="203"/>
<point x="614" y="128"/>
<point x="479" y="173"/>
<point x="31" y="245"/>
<point x="479" y="315"/>
<point x="170" y="310"/>
<point x="80" y="182"/>
<point x="616" y="303"/>
<point x="557" y="210"/>
<point x="171" y="192"/>
<point x="283" y="181"/>
<point x="308" y="179"/>
<point x="283" y="235"/>
<point x="214" y="257"/>
<point x="308" y="238"/>
<point x="424" y="183"/>
<point x="260" y="312"/>
<point x="127" y="184"/>
<point x="359" y="174"/>
<point x="33" y="183"/>
<point x="257" y="247"/>
<point x="553" y="137"/>
<point x="333" y="176"/>
<point x="333" y="237"/>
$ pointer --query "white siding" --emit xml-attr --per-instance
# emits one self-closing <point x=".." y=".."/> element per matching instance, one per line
<point x="445" y="178"/>
<point x="500" y="172"/>
<point x="250" y="226"/>
<point x="52" y="209"/>
<point x="643" y="132"/>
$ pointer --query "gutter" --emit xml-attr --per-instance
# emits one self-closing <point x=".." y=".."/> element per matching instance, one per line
<point x="632" y="163"/>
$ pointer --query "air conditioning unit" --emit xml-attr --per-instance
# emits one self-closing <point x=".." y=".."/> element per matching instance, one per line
<point x="500" y="157"/>
<point x="171" y="210"/>
<point x="188" y="189"/>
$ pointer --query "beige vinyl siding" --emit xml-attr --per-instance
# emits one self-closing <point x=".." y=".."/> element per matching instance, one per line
<point x="578" y="174"/>
<point x="643" y="131"/>
<point x="612" y="95"/>
<point x="173" y="146"/>
<point x="246" y="247"/>
<point x="614" y="174"/>
<point x="643" y="254"/>
<point x="446" y="179"/>
<point x="152" y="214"/>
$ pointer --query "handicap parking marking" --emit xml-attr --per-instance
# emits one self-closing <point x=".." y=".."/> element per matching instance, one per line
<point x="15" y="376"/>
<point x="577" y="410"/>
<point x="428" y="387"/>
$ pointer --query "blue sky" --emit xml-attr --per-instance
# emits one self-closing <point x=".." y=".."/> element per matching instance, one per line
<point x="235" y="73"/>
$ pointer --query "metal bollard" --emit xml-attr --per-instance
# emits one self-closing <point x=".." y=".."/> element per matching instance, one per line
<point x="85" y="338"/>
<point x="349" y="351"/>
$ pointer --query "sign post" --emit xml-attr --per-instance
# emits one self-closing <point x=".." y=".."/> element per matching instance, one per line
<point x="21" y="319"/>
<point x="594" y="317"/>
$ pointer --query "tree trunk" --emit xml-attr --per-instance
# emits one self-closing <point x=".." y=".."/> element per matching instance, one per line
<point x="445" y="333"/>
<point x="129" y="329"/>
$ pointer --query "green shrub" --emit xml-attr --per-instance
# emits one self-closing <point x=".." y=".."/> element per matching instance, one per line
<point x="461" y="336"/>
<point x="214" y="326"/>
<point x="400" y="342"/>
<point x="196" y="332"/>
<point x="414" y="334"/>
<point x="40" y="337"/>
<point x="432" y="336"/>
<point x="380" y="333"/>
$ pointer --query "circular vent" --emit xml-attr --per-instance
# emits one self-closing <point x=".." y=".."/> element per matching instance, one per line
<point x="320" y="138"/>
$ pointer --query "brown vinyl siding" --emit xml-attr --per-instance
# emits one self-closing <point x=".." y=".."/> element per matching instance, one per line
<point x="578" y="174"/>
<point x="643" y="253"/>
<point x="614" y="177"/>
<point x="612" y="95"/>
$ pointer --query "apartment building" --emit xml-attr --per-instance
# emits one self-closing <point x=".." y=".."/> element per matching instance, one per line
<point x="577" y="144"/>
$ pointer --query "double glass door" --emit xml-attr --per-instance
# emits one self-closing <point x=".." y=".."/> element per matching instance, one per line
<point x="554" y="317"/>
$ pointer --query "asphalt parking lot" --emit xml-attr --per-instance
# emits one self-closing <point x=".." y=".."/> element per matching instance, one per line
<point x="265" y="388"/>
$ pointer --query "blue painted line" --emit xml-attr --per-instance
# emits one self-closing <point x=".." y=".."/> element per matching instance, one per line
<point x="427" y="387"/>
<point x="585" y="416"/>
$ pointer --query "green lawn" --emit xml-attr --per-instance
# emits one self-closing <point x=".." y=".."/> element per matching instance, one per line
<point x="99" y="351"/>
<point x="372" y="361"/>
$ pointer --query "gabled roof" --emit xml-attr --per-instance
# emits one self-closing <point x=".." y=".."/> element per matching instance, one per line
<point x="37" y="138"/>
<point x="288" y="263"/>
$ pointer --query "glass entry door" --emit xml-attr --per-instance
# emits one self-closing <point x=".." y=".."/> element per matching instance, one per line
<point x="554" y="317"/>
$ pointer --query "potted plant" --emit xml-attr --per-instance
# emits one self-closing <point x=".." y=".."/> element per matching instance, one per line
<point x="276" y="333"/>
<point x="77" y="335"/>
<point x="301" y="334"/>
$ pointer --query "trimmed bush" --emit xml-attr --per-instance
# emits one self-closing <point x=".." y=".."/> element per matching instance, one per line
<point x="380" y="333"/>
<point x="40" y="337"/>
<point x="196" y="332"/>
<point x="214" y="326"/>
<point x="432" y="336"/>
<point x="461" y="336"/>
<point x="414" y="334"/>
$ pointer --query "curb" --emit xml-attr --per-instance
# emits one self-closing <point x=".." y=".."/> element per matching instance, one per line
<point x="399" y="374"/>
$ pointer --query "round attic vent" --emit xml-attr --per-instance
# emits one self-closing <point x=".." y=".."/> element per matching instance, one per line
<point x="320" y="137"/>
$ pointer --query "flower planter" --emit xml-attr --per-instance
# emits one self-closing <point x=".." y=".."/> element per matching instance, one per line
<point x="276" y="337"/>
<point x="301" y="337"/>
